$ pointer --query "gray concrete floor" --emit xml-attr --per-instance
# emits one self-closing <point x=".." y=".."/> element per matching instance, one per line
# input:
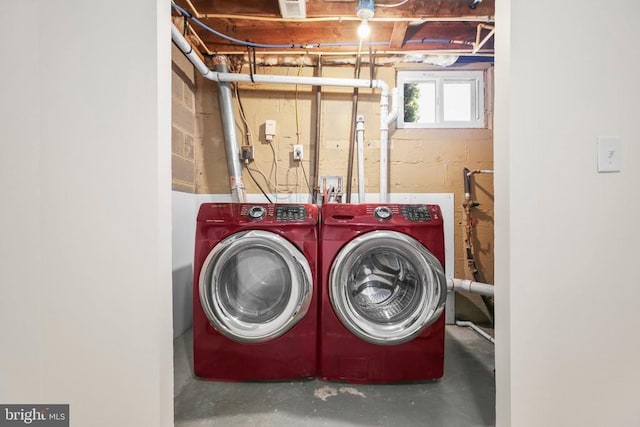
<point x="464" y="397"/>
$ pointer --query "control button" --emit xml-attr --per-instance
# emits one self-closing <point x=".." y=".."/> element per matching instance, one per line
<point x="257" y="212"/>
<point x="382" y="212"/>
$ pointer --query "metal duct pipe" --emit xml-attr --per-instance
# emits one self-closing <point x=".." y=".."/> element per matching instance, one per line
<point x="230" y="137"/>
<point x="360" y="139"/>
<point x="470" y="286"/>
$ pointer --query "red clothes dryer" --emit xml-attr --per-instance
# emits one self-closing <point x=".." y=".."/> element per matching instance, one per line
<point x="254" y="292"/>
<point x="383" y="293"/>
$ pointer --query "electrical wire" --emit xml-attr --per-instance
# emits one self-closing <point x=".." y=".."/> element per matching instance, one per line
<point x="304" y="173"/>
<point x="247" y="131"/>
<point x="249" y="138"/>
<point x="258" y="185"/>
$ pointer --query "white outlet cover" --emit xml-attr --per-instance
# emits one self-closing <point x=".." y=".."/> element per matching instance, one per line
<point x="609" y="154"/>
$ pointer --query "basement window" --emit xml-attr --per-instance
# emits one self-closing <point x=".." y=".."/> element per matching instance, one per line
<point x="441" y="99"/>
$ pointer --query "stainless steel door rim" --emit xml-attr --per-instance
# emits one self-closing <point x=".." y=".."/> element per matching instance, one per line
<point x="254" y="286"/>
<point x="386" y="287"/>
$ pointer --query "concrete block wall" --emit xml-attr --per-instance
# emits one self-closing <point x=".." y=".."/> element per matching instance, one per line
<point x="183" y="123"/>
<point x="421" y="161"/>
<point x="212" y="174"/>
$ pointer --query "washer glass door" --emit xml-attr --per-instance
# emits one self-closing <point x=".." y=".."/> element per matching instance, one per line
<point x="255" y="285"/>
<point x="386" y="287"/>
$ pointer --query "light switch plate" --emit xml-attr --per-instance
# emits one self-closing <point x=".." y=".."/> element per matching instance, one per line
<point x="609" y="153"/>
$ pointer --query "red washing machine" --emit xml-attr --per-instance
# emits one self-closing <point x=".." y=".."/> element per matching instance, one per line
<point x="383" y="293"/>
<point x="254" y="292"/>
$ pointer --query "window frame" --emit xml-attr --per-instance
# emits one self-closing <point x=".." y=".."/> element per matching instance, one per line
<point x="477" y="102"/>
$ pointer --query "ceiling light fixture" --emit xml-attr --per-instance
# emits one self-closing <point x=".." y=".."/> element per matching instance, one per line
<point x="364" y="11"/>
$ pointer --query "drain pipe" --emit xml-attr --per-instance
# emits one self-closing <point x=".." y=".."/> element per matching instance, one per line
<point x="188" y="51"/>
<point x="466" y="285"/>
<point x="484" y="289"/>
<point x="229" y="132"/>
<point x="385" y="117"/>
<point x="476" y="329"/>
<point x="360" y="139"/>
<point x="226" y="111"/>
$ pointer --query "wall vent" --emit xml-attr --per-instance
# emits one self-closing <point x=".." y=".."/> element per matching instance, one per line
<point x="293" y="8"/>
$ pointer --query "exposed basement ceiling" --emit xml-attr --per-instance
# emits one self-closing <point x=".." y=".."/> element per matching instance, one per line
<point x="330" y="27"/>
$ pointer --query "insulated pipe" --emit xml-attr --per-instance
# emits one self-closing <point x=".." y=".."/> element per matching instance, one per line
<point x="470" y="286"/>
<point x="360" y="139"/>
<point x="230" y="137"/>
<point x="386" y="118"/>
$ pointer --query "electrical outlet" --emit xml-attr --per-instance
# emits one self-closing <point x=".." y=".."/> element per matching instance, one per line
<point x="246" y="152"/>
<point x="298" y="152"/>
<point x="269" y="129"/>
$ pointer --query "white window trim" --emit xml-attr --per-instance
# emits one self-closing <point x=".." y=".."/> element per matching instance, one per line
<point x="440" y="77"/>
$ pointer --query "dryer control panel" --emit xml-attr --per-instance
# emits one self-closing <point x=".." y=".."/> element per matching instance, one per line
<point x="416" y="213"/>
<point x="291" y="213"/>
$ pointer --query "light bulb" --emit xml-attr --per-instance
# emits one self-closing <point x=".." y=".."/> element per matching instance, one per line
<point x="363" y="29"/>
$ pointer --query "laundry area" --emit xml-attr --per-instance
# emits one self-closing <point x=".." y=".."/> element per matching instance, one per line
<point x="157" y="271"/>
<point x="333" y="213"/>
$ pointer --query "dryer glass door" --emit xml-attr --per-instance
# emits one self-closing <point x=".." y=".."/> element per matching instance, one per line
<point x="386" y="287"/>
<point x="255" y="286"/>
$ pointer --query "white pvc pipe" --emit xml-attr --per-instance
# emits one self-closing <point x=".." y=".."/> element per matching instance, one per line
<point x="469" y="286"/>
<point x="360" y="141"/>
<point x="395" y="106"/>
<point x="188" y="51"/>
<point x="385" y="120"/>
<point x="385" y="117"/>
<point x="483" y="334"/>
<point x="265" y="78"/>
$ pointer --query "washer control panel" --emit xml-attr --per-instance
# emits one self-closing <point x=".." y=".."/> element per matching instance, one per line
<point x="291" y="213"/>
<point x="416" y="213"/>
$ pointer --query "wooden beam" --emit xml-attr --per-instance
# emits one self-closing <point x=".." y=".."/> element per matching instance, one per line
<point x="318" y="8"/>
<point x="397" y="35"/>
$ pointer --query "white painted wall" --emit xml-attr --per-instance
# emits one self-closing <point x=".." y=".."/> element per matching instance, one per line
<point x="565" y="74"/>
<point x="85" y="312"/>
<point x="184" y="209"/>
